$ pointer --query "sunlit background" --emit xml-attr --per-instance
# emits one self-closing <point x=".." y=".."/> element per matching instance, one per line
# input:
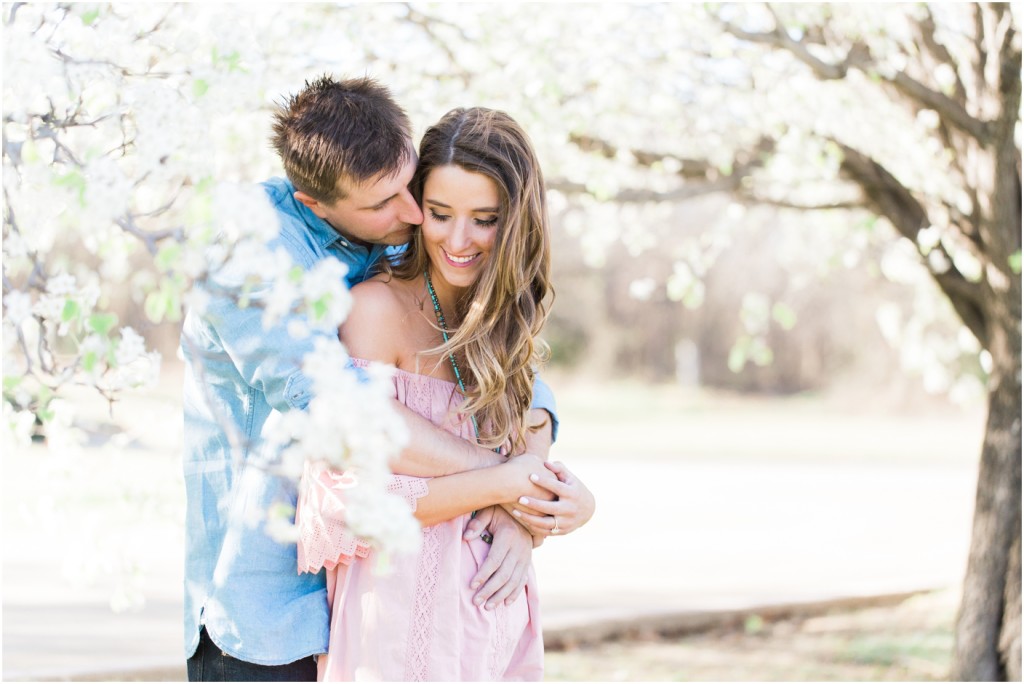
<point x="777" y="407"/>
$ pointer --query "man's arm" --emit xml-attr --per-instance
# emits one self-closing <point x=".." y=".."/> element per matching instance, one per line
<point x="433" y="451"/>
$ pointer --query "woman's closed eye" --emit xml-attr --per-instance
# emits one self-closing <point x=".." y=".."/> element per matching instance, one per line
<point x="484" y="222"/>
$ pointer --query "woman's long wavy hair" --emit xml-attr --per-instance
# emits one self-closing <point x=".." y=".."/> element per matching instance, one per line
<point x="502" y="313"/>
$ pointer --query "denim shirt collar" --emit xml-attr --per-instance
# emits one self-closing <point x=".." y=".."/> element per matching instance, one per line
<point x="359" y="257"/>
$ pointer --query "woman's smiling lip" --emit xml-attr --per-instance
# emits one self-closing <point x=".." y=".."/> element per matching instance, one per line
<point x="459" y="262"/>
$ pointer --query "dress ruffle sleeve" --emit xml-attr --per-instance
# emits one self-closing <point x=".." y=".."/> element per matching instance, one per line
<point x="324" y="538"/>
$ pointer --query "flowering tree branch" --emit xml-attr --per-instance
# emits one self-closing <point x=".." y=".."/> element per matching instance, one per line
<point x="859" y="57"/>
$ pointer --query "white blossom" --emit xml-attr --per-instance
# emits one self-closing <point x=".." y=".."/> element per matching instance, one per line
<point x="131" y="347"/>
<point x="17" y="306"/>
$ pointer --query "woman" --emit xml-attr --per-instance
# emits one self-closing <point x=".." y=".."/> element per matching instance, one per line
<point x="458" y="315"/>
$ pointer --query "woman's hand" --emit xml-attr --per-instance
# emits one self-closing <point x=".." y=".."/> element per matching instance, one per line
<point x="518" y="477"/>
<point x="573" y="507"/>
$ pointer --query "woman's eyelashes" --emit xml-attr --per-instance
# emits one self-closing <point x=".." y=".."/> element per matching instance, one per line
<point x="441" y="218"/>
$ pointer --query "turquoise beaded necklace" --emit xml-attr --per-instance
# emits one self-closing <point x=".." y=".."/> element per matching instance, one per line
<point x="444" y="333"/>
<point x="486" y="536"/>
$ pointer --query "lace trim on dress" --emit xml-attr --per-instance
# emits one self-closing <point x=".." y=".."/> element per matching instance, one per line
<point x="324" y="538"/>
<point x="421" y="629"/>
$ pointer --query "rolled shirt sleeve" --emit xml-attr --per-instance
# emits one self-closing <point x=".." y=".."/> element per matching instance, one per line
<point x="544" y="398"/>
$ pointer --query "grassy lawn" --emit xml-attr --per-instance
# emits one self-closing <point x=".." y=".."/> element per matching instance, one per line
<point x="609" y="419"/>
<point x="912" y="641"/>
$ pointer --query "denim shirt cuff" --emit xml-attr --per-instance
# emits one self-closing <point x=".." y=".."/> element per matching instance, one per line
<point x="298" y="390"/>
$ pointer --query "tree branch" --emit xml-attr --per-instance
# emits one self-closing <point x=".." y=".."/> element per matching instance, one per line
<point x="859" y="57"/>
<point x="750" y="198"/>
<point x="744" y="163"/>
<point x="151" y="239"/>
<point x="947" y="107"/>
<point x="426" y="23"/>
<point x="889" y="198"/>
<point x="780" y="39"/>
<point x="926" y="31"/>
<point x="688" y="168"/>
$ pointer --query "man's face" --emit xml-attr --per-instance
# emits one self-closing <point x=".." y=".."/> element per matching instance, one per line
<point x="380" y="211"/>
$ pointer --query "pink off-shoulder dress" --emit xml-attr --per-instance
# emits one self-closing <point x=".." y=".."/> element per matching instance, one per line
<point x="417" y="623"/>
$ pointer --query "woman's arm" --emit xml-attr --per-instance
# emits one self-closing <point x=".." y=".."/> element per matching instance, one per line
<point x="454" y="495"/>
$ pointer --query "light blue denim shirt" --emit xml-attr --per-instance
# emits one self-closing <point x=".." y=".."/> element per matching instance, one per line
<point x="239" y="582"/>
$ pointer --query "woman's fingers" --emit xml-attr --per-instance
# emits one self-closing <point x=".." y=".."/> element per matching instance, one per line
<point x="552" y="484"/>
<point x="536" y="524"/>
<point x="537" y="506"/>
<point x="559" y="469"/>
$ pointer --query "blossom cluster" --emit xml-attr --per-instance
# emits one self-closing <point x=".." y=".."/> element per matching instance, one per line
<point x="130" y="154"/>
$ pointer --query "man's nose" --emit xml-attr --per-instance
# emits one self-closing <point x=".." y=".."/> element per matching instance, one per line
<point x="410" y="211"/>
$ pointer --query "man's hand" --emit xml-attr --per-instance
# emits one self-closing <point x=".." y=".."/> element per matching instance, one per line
<point x="503" y="574"/>
<point x="573" y="508"/>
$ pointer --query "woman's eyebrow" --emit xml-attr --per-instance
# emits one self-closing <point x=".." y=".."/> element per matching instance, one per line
<point x="482" y="210"/>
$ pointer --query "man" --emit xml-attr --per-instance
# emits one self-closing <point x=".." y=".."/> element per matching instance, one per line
<point x="347" y="151"/>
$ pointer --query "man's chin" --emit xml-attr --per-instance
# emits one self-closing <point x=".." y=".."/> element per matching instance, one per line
<point x="399" y="237"/>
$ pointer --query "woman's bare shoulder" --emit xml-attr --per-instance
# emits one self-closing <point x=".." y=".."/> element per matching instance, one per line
<point x="372" y="329"/>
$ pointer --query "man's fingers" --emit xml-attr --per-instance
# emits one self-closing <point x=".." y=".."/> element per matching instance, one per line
<point x="493" y="585"/>
<point x="513" y="582"/>
<point x="476" y="526"/>
<point x="519" y="590"/>
<point x="487" y="568"/>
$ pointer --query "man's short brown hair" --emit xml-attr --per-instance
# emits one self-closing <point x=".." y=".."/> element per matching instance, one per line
<point x="333" y="129"/>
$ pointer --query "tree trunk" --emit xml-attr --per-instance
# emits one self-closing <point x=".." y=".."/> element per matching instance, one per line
<point x="988" y="630"/>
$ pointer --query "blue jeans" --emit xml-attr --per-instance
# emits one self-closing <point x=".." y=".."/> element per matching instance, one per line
<point x="210" y="664"/>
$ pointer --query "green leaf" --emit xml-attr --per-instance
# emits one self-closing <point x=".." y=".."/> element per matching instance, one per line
<point x="738" y="354"/>
<point x="763" y="356"/>
<point x="155" y="306"/>
<point x="91" y="16"/>
<point x="205" y="185"/>
<point x="234" y="60"/>
<point x="71" y="311"/>
<point x="89" y="361"/>
<point x="168" y="256"/>
<point x="44" y="395"/>
<point x="1014" y="261"/>
<point x="101" y="324"/>
<point x="29" y="151"/>
<point x="74" y="180"/>
<point x="295" y="274"/>
<point x="199" y="87"/>
<point x="754" y="624"/>
<point x="11" y="382"/>
<point x="784" y="315"/>
<point x="319" y="308"/>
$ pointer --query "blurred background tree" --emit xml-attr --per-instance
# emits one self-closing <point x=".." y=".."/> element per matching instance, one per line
<point x="902" y="122"/>
<point x="754" y="198"/>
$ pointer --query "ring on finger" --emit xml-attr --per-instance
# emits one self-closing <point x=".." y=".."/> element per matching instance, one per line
<point x="555" y="530"/>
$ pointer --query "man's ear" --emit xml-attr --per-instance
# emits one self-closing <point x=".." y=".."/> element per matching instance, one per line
<point x="313" y="204"/>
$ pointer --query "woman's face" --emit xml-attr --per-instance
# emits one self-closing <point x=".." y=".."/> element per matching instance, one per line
<point x="460" y="222"/>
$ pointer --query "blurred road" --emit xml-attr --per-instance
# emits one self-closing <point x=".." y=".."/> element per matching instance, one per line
<point x="667" y="537"/>
<point x="724" y="506"/>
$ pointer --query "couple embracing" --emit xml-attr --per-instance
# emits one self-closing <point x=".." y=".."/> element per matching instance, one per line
<point x="457" y="313"/>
